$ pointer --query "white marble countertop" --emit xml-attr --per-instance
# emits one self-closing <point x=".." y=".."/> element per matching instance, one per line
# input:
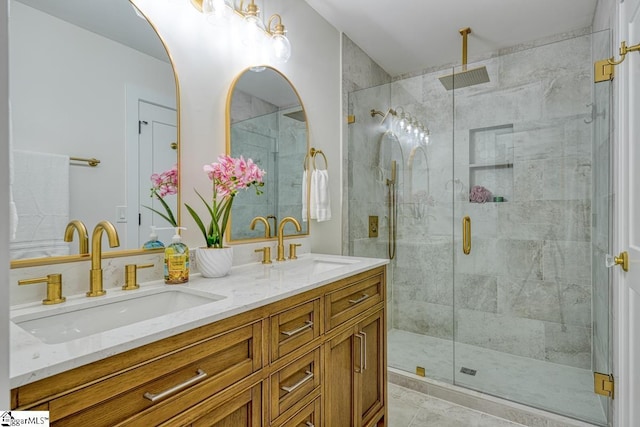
<point x="245" y="288"/>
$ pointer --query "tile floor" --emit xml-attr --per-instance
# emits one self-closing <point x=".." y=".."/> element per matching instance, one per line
<point x="408" y="408"/>
<point x="548" y="386"/>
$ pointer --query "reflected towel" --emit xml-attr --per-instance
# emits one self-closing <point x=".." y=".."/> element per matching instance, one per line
<point x="321" y="208"/>
<point x="305" y="208"/>
<point x="41" y="194"/>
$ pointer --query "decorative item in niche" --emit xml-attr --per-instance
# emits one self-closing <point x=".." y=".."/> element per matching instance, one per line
<point x="479" y="194"/>
<point x="259" y="39"/>
<point x="228" y="176"/>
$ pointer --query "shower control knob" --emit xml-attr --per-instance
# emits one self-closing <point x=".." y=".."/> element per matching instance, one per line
<point x="622" y="260"/>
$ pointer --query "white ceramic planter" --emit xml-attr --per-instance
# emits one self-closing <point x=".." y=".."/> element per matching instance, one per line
<point x="214" y="262"/>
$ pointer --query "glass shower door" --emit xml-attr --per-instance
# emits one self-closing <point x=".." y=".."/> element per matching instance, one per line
<point x="524" y="153"/>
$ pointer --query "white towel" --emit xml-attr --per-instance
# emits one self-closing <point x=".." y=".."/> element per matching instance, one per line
<point x="41" y="194"/>
<point x="305" y="208"/>
<point x="321" y="208"/>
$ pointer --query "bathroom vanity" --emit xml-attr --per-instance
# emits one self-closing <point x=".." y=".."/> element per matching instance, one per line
<point x="301" y="342"/>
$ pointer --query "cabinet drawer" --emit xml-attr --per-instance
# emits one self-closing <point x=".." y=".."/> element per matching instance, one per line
<point x="293" y="328"/>
<point x="297" y="380"/>
<point x="346" y="303"/>
<point x="194" y="372"/>
<point x="309" y="416"/>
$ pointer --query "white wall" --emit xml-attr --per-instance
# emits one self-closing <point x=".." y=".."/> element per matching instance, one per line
<point x="4" y="210"/>
<point x="207" y="61"/>
<point x="68" y="93"/>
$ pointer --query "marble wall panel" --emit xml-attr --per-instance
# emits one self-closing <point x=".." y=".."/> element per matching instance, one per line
<point x="476" y="292"/>
<point x="568" y="345"/>
<point x="425" y="318"/>
<point x="524" y="337"/>
<point x="567" y="261"/>
<point x="551" y="301"/>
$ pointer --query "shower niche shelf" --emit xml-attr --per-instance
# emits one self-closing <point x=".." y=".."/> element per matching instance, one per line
<point x="491" y="159"/>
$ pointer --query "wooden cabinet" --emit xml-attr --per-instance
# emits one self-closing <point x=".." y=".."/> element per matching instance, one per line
<point x="356" y="380"/>
<point x="314" y="359"/>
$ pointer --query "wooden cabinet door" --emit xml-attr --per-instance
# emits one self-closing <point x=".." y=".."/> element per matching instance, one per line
<point x="340" y="380"/>
<point x="371" y="378"/>
<point x="355" y="374"/>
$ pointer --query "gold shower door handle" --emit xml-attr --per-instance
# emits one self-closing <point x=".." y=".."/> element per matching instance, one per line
<point x="466" y="235"/>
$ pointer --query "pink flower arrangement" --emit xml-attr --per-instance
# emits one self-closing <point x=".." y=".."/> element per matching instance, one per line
<point x="228" y="175"/>
<point x="165" y="184"/>
<point x="479" y="194"/>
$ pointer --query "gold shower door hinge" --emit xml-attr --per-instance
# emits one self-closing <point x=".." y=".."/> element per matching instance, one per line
<point x="603" y="384"/>
<point x="602" y="71"/>
<point x="351" y="119"/>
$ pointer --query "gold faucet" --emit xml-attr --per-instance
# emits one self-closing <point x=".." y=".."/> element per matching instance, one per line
<point x="95" y="280"/>
<point x="281" y="235"/>
<point x="83" y="236"/>
<point x="267" y="227"/>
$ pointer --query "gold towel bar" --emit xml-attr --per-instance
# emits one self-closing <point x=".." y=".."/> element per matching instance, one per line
<point x="93" y="162"/>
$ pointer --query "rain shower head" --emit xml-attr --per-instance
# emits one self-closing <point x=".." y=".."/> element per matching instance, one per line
<point x="466" y="77"/>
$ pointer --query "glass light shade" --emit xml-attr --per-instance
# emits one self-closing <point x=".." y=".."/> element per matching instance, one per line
<point x="254" y="31"/>
<point x="216" y="11"/>
<point x="280" y="48"/>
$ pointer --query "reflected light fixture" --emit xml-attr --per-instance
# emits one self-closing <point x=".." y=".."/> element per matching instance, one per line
<point x="217" y="11"/>
<point x="261" y="41"/>
<point x="404" y="124"/>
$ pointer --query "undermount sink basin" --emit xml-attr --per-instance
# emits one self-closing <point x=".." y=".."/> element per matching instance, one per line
<point x="66" y="323"/>
<point x="313" y="265"/>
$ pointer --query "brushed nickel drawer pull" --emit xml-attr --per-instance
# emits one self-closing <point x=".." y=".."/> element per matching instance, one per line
<point x="200" y="375"/>
<point x="359" y="300"/>
<point x="289" y="389"/>
<point x="307" y="324"/>
<point x="309" y="424"/>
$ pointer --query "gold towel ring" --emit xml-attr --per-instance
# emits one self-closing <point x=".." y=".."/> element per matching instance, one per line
<point x="314" y="153"/>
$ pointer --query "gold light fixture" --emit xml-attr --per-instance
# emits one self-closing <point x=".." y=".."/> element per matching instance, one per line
<point x="261" y="41"/>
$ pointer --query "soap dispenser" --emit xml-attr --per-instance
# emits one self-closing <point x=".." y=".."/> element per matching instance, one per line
<point x="176" y="260"/>
<point x="153" y="242"/>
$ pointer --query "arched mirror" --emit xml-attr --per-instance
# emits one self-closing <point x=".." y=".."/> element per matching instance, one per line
<point x="88" y="80"/>
<point x="266" y="122"/>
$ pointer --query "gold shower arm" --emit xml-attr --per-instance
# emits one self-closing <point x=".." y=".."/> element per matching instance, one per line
<point x="464" y="32"/>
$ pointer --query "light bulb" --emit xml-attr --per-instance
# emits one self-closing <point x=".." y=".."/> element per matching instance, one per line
<point x="280" y="48"/>
<point x="216" y="11"/>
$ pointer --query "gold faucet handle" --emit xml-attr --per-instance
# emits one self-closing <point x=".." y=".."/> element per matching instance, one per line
<point x="266" y="254"/>
<point x="292" y="250"/>
<point x="130" y="276"/>
<point x="54" y="287"/>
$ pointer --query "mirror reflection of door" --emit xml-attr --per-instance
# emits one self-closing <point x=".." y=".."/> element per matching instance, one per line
<point x="156" y="153"/>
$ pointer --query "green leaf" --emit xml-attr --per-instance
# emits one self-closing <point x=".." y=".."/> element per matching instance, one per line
<point x="198" y="221"/>
<point x="171" y="220"/>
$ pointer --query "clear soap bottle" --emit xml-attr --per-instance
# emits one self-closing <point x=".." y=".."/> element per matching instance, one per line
<point x="153" y="242"/>
<point x="176" y="260"/>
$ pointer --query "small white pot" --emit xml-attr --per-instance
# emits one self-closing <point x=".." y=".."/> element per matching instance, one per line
<point x="214" y="262"/>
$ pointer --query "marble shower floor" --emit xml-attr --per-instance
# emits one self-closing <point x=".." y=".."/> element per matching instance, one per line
<point x="556" y="388"/>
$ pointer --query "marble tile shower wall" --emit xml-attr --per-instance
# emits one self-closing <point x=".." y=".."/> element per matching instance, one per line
<point x="526" y="287"/>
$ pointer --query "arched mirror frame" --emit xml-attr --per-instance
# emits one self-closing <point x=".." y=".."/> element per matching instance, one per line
<point x="229" y="237"/>
<point x="32" y="262"/>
